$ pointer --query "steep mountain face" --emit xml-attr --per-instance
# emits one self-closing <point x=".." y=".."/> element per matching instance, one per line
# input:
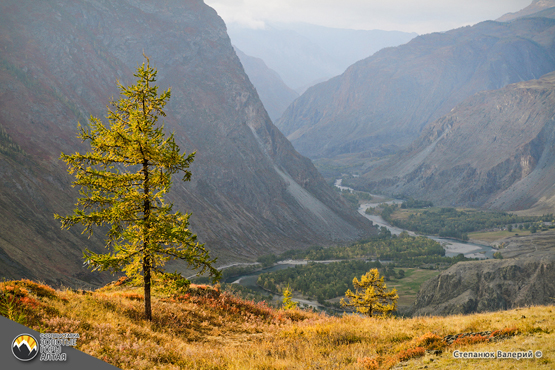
<point x="273" y="92"/>
<point x="381" y="104"/>
<point x="251" y="192"/>
<point x="526" y="277"/>
<point x="536" y="7"/>
<point x="493" y="150"/>
<point x="305" y="54"/>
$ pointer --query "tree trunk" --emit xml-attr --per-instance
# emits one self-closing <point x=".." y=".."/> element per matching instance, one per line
<point x="146" y="277"/>
<point x="146" y="256"/>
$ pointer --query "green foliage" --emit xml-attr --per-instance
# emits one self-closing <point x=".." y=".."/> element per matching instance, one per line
<point x="498" y="255"/>
<point x="316" y="280"/>
<point x="288" y="303"/>
<point x="404" y="250"/>
<point x="387" y="211"/>
<point x="413" y="203"/>
<point x="448" y="222"/>
<point x="238" y="271"/>
<point x="7" y="145"/>
<point x="172" y="284"/>
<point x="401" y="248"/>
<point x="9" y="308"/>
<point x="371" y="296"/>
<point x="354" y="198"/>
<point x="351" y="199"/>
<point x="123" y="181"/>
<point x="267" y="260"/>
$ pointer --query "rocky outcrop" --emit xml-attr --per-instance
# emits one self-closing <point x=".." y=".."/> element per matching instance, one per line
<point x="490" y="285"/>
<point x="526" y="276"/>
<point x="387" y="99"/>
<point x="534" y="8"/>
<point x="251" y="193"/>
<point x="493" y="150"/>
<point x="273" y="92"/>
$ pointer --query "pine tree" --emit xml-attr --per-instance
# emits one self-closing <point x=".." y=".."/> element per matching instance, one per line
<point x="371" y="296"/>
<point x="123" y="180"/>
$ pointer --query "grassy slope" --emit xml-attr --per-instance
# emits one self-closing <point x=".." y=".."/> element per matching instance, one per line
<point x="408" y="287"/>
<point x="211" y="331"/>
<point x="492" y="236"/>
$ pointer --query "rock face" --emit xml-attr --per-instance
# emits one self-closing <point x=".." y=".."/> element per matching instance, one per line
<point x="251" y="192"/>
<point x="493" y="285"/>
<point x="273" y="92"/>
<point x="382" y="103"/>
<point x="536" y="7"/>
<point x="493" y="150"/>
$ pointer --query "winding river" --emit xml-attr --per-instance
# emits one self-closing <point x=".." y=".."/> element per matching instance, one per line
<point x="452" y="248"/>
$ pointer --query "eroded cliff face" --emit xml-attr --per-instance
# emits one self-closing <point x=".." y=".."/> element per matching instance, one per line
<point x="493" y="150"/>
<point x="251" y="193"/>
<point x="383" y="102"/>
<point x="526" y="277"/>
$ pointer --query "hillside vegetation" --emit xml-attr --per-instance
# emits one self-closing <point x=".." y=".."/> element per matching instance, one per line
<point x="206" y="329"/>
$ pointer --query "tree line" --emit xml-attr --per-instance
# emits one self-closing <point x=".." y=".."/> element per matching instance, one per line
<point x="450" y="222"/>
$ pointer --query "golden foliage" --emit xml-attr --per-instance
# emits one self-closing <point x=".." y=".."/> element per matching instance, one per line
<point x="371" y="296"/>
<point x="207" y="329"/>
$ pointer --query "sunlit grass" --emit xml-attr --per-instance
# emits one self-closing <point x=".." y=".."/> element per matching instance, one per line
<point x="205" y="329"/>
<point x="408" y="287"/>
<point x="492" y="236"/>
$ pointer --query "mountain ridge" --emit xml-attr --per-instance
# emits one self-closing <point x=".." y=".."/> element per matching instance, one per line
<point x="251" y="193"/>
<point x="380" y="104"/>
<point x="273" y="92"/>
<point x="492" y="151"/>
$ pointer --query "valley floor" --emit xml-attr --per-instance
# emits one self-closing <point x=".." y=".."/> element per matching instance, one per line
<point x="206" y="329"/>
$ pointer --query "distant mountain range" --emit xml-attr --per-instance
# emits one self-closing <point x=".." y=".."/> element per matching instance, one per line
<point x="382" y="103"/>
<point x="304" y="54"/>
<point x="251" y="193"/>
<point x="494" y="150"/>
<point x="273" y="92"/>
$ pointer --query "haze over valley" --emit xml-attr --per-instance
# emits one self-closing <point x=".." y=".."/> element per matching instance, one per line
<point x="331" y="141"/>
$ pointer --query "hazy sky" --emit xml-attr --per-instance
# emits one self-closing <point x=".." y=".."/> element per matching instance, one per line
<point x="421" y="16"/>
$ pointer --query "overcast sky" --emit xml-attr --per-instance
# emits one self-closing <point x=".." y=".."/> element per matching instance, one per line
<point x="421" y="16"/>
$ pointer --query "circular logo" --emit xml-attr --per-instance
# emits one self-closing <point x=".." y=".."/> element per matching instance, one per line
<point x="539" y="354"/>
<point x="25" y="347"/>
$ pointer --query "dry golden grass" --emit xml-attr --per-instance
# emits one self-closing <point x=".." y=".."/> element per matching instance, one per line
<point x="207" y="330"/>
<point x="492" y="236"/>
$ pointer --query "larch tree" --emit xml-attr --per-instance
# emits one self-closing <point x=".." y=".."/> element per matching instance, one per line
<point x="123" y="181"/>
<point x="370" y="297"/>
<point x="288" y="303"/>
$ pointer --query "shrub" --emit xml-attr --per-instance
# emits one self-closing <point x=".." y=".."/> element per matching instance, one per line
<point x="411" y="353"/>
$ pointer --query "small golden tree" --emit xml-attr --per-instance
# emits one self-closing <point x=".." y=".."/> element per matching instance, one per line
<point x="371" y="296"/>
<point x="288" y="303"/>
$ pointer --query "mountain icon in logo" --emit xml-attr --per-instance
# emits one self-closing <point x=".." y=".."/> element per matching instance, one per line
<point x="25" y="347"/>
